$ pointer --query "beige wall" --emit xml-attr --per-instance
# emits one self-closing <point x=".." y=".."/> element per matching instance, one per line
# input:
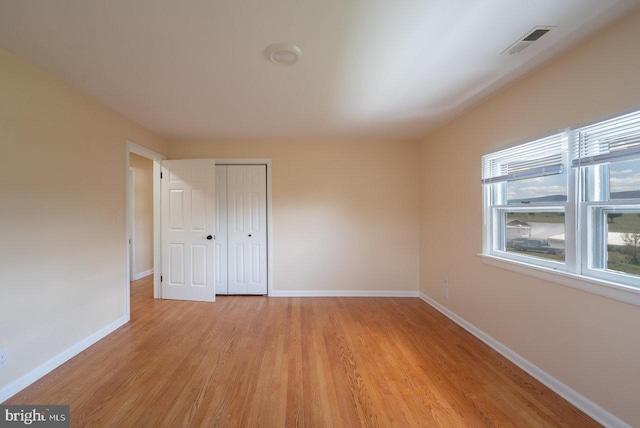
<point x="143" y="214"/>
<point x="590" y="343"/>
<point x="62" y="181"/>
<point x="345" y="214"/>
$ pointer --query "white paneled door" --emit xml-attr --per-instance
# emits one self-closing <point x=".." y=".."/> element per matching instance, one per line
<point x="188" y="222"/>
<point x="245" y="230"/>
<point x="222" y="281"/>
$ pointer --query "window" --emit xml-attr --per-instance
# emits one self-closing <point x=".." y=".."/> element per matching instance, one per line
<point x="525" y="201"/>
<point x="569" y="202"/>
<point x="606" y="156"/>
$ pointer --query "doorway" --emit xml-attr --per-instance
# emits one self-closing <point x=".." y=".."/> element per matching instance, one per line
<point x="156" y="158"/>
<point x="141" y="216"/>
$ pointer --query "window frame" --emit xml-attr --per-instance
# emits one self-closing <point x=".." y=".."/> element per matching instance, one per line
<point x="578" y="269"/>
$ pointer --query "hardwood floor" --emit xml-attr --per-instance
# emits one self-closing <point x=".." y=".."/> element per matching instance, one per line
<point x="312" y="362"/>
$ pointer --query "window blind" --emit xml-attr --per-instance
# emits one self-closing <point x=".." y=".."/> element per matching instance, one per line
<point x="607" y="141"/>
<point x="533" y="159"/>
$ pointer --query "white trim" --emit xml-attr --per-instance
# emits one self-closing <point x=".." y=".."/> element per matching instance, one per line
<point x="581" y="402"/>
<point x="157" y="231"/>
<point x="19" y="384"/>
<point x="142" y="274"/>
<point x="270" y="252"/>
<point x="143" y="151"/>
<point x="342" y="293"/>
<point x="595" y="286"/>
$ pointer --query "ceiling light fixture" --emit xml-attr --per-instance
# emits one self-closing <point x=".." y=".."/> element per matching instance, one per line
<point x="284" y="53"/>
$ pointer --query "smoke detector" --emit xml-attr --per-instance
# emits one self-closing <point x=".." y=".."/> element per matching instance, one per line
<point x="283" y="53"/>
<point x="527" y="40"/>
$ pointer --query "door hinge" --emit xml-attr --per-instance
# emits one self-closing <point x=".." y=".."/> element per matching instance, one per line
<point x="160" y="175"/>
<point x="160" y="278"/>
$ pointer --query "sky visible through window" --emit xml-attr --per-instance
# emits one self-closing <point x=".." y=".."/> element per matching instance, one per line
<point x="624" y="177"/>
<point x="552" y="188"/>
<point x="624" y="183"/>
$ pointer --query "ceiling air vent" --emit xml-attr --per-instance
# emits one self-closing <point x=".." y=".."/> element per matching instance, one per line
<point x="527" y="40"/>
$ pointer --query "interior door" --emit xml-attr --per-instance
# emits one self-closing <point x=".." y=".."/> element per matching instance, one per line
<point x="188" y="203"/>
<point x="247" y="229"/>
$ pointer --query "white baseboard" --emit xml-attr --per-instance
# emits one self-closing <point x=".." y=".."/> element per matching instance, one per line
<point x="342" y="293"/>
<point x="581" y="402"/>
<point x="142" y="274"/>
<point x="35" y="374"/>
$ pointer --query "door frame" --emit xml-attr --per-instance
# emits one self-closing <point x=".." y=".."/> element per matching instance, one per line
<point x="267" y="163"/>
<point x="131" y="147"/>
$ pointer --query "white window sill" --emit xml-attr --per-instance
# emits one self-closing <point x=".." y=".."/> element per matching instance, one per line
<point x="611" y="290"/>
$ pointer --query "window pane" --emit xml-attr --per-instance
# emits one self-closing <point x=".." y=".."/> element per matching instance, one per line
<point x="535" y="234"/>
<point x="623" y="242"/>
<point x="624" y="179"/>
<point x="552" y="188"/>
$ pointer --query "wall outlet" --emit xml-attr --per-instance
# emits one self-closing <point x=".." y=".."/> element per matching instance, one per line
<point x="4" y="357"/>
<point x="446" y="287"/>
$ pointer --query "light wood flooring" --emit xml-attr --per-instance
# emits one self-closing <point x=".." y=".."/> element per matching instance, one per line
<point x="285" y="362"/>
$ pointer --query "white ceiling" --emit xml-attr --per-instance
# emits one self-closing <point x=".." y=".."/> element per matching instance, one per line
<point x="371" y="69"/>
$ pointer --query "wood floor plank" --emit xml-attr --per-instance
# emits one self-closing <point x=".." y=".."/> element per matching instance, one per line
<point x="295" y="362"/>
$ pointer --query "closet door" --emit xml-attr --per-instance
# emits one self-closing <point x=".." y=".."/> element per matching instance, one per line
<point x="247" y="229"/>
<point x="221" y="280"/>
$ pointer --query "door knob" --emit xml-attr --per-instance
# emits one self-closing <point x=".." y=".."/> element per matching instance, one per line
<point x="249" y="235"/>
<point x="209" y="237"/>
